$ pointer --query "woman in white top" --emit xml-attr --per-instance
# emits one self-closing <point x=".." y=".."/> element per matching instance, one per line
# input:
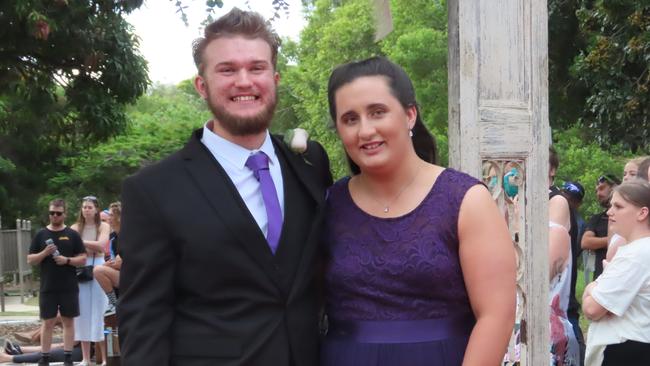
<point x="89" y="325"/>
<point x="630" y="171"/>
<point x="618" y="301"/>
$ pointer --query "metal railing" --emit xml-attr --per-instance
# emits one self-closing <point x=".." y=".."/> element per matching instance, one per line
<point x="14" y="247"/>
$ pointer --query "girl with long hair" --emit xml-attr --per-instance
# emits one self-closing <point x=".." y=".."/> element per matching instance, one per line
<point x="89" y="325"/>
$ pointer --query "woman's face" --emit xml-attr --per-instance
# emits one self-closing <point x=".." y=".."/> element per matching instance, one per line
<point x="630" y="171"/>
<point x="88" y="210"/>
<point x="623" y="216"/>
<point x="372" y="124"/>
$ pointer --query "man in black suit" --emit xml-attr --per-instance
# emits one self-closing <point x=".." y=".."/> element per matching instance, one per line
<point x="208" y="276"/>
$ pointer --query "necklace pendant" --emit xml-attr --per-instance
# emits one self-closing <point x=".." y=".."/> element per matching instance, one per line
<point x="386" y="209"/>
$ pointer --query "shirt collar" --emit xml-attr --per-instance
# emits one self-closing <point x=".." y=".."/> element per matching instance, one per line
<point x="233" y="153"/>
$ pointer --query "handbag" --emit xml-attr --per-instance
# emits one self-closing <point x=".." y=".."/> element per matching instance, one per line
<point x="85" y="273"/>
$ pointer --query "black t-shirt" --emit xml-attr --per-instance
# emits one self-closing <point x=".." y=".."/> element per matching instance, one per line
<point x="598" y="224"/>
<point x="55" y="278"/>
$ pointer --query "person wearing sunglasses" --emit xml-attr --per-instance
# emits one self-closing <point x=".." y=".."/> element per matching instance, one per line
<point x="596" y="234"/>
<point x="57" y="249"/>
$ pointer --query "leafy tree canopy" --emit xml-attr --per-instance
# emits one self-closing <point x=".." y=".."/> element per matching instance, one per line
<point x="615" y="69"/>
<point x="161" y="123"/>
<point x="67" y="69"/>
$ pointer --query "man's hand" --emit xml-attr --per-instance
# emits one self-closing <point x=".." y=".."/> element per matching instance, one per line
<point x="114" y="263"/>
<point x="49" y="250"/>
<point x="61" y="260"/>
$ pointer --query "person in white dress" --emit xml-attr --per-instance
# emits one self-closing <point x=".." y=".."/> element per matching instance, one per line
<point x="618" y="301"/>
<point x="89" y="325"/>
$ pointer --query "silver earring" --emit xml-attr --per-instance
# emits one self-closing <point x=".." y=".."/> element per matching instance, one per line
<point x="410" y="133"/>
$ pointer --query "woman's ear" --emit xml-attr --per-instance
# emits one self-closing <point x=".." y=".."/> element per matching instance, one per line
<point x="643" y="214"/>
<point x="412" y="115"/>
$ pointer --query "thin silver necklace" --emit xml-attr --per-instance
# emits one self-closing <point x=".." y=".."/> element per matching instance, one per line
<point x="386" y="207"/>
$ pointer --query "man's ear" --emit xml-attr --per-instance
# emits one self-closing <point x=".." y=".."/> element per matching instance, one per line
<point x="200" y="86"/>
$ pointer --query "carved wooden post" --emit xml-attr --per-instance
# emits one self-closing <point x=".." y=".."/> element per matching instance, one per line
<point x="498" y="124"/>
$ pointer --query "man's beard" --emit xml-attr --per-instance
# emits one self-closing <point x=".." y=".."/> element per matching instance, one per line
<point x="243" y="126"/>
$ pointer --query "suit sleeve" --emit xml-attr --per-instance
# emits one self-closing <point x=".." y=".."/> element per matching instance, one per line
<point x="318" y="154"/>
<point x="145" y="310"/>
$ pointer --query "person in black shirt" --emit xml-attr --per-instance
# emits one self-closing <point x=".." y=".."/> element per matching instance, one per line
<point x="58" y="250"/>
<point x="596" y="236"/>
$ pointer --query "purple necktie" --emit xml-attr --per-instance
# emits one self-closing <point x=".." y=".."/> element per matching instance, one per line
<point x="259" y="164"/>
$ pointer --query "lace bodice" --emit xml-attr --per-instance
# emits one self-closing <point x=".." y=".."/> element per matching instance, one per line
<point x="401" y="268"/>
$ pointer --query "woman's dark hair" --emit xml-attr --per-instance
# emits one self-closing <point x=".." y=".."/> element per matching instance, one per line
<point x="401" y="88"/>
<point x="643" y="169"/>
<point x="553" y="159"/>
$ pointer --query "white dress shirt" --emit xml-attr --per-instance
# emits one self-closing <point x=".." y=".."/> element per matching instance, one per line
<point x="232" y="158"/>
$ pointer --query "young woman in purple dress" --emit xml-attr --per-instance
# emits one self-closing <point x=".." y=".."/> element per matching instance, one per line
<point x="421" y="269"/>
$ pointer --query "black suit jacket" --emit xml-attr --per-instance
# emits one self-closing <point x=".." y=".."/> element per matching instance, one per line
<point x="199" y="284"/>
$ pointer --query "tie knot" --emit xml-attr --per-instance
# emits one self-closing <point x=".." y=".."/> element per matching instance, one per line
<point x="257" y="162"/>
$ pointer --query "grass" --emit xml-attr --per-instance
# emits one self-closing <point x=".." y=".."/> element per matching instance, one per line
<point x="580" y="288"/>
<point x="19" y="313"/>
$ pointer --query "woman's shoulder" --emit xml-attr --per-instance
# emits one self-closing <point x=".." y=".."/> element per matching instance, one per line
<point x="105" y="228"/>
<point x="456" y="176"/>
<point x="337" y="189"/>
<point x="452" y="181"/>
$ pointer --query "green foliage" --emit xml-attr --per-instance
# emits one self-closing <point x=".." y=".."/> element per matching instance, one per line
<point x="334" y="35"/>
<point x="565" y="41"/>
<point x="161" y="123"/>
<point x="339" y="32"/>
<point x="586" y="161"/>
<point x="67" y="70"/>
<point x="418" y="43"/>
<point x="615" y="69"/>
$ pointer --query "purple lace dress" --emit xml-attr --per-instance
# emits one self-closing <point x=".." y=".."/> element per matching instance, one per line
<point x="395" y="289"/>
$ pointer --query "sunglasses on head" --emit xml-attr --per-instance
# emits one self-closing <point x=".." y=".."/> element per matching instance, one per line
<point x="609" y="179"/>
<point x="56" y="213"/>
<point x="90" y="198"/>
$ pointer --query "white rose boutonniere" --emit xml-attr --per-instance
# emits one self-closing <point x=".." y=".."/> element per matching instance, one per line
<point x="296" y="139"/>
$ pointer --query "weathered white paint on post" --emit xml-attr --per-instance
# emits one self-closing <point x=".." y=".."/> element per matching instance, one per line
<point x="383" y="19"/>
<point x="498" y="110"/>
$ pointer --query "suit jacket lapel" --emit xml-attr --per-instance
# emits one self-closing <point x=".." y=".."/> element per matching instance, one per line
<point x="306" y="177"/>
<point x="222" y="195"/>
<point x="301" y="168"/>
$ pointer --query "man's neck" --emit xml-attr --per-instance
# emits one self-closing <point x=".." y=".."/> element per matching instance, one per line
<point x="55" y="227"/>
<point x="250" y="142"/>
